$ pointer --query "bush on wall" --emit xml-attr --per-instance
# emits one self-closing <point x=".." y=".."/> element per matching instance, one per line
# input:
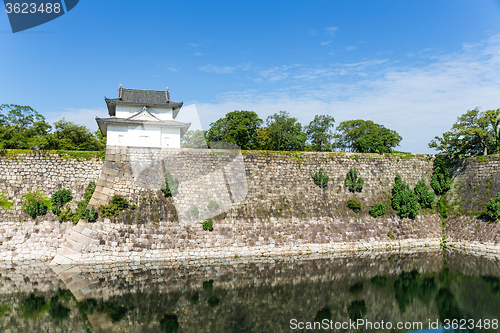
<point x="208" y="225"/>
<point x="354" y="204"/>
<point x="320" y="178"/>
<point x="171" y="185"/>
<point x="35" y="203"/>
<point x="493" y="207"/>
<point x="424" y="194"/>
<point x="117" y="204"/>
<point x="59" y="199"/>
<point x="5" y="202"/>
<point x="404" y="200"/>
<point x="441" y="180"/>
<point x="378" y="209"/>
<point x="352" y="181"/>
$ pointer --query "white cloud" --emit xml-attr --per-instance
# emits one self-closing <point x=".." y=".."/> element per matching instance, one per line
<point x="325" y="43"/>
<point x="217" y="69"/>
<point x="198" y="54"/>
<point x="418" y="101"/>
<point x="351" y="48"/>
<point x="332" y="31"/>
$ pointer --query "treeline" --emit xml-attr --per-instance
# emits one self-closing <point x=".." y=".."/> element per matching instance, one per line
<point x="283" y="132"/>
<point x="21" y="127"/>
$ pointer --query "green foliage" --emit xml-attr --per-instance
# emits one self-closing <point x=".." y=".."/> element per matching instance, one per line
<point x="5" y="202"/>
<point x="320" y="132"/>
<point x="208" y="225"/>
<point x="194" y="139"/>
<point x="89" y="191"/>
<point x="442" y="207"/>
<point x="282" y="133"/>
<point x="195" y="211"/>
<point x="441" y="180"/>
<point x="59" y="199"/>
<point x="356" y="288"/>
<point x="70" y="136"/>
<point x="237" y="127"/>
<point x="58" y="311"/>
<point x="410" y="286"/>
<point x="115" y="312"/>
<point x="365" y="136"/>
<point x="352" y="181"/>
<point x="213" y="205"/>
<point x="33" y="307"/>
<point x="81" y="211"/>
<point x="117" y="204"/>
<point x="447" y="305"/>
<point x="324" y="313"/>
<point x="208" y="286"/>
<point x="169" y="323"/>
<point x="474" y="133"/>
<point x="357" y="310"/>
<point x="320" y="178"/>
<point x="493" y="207"/>
<point x="4" y="309"/>
<point x="424" y="194"/>
<point x="171" y="185"/>
<point x="404" y="200"/>
<point x="35" y="203"/>
<point x="379" y="281"/>
<point x="213" y="301"/>
<point x="354" y="204"/>
<point x="378" y="209"/>
<point x="65" y="215"/>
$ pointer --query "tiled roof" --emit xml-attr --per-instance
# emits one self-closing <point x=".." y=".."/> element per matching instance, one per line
<point x="140" y="97"/>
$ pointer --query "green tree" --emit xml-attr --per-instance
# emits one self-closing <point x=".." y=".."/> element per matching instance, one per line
<point x="320" y="132"/>
<point x="424" y="194"/>
<point x="404" y="200"/>
<point x="285" y="132"/>
<point x="194" y="139"/>
<point x="238" y="127"/>
<point x="22" y="128"/>
<point x="365" y="136"/>
<point x="70" y="136"/>
<point x="474" y="133"/>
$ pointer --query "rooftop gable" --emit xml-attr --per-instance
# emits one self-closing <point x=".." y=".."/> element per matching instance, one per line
<point x="143" y="115"/>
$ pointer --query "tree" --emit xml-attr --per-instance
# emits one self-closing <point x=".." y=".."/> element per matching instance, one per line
<point x="70" y="136"/>
<point x="474" y="133"/>
<point x="365" y="136"/>
<point x="320" y="132"/>
<point x="22" y="128"/>
<point x="238" y="127"/>
<point x="285" y="132"/>
<point x="194" y="139"/>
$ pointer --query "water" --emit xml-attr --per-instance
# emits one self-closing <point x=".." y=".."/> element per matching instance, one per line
<point x="286" y="294"/>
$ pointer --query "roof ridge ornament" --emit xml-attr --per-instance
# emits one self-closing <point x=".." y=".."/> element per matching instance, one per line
<point x="120" y="91"/>
<point x="145" y="108"/>
<point x="168" y="96"/>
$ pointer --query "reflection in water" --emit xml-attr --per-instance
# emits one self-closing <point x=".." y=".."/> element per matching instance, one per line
<point x="263" y="295"/>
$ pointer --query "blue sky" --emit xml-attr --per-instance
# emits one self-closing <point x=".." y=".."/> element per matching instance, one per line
<point x="413" y="66"/>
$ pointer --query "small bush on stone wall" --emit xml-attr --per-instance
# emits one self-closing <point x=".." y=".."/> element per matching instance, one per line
<point x="5" y="202"/>
<point x="208" y="225"/>
<point x="404" y="200"/>
<point x="59" y="199"/>
<point x="117" y="204"/>
<point x="320" y="178"/>
<point x="441" y="180"/>
<point x="57" y="310"/>
<point x="353" y="182"/>
<point x="195" y="212"/>
<point x="443" y="207"/>
<point x="378" y="209"/>
<point x="169" y="323"/>
<point x="213" y="205"/>
<point x="354" y="204"/>
<point x="493" y="207"/>
<point x="35" y="203"/>
<point x="171" y="185"/>
<point x="424" y="194"/>
<point x="33" y="307"/>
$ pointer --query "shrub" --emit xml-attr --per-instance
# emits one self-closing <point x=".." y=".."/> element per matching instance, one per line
<point x="195" y="211"/>
<point x="5" y="202"/>
<point x="33" y="307"/>
<point x="208" y="225"/>
<point x="213" y="205"/>
<point x="171" y="185"/>
<point x="35" y="203"/>
<point x="57" y="311"/>
<point x="320" y="178"/>
<point x="378" y="209"/>
<point x="169" y="323"/>
<point x="357" y="310"/>
<point x="442" y="207"/>
<point x="117" y="204"/>
<point x="59" y="199"/>
<point x="441" y="181"/>
<point x="424" y="194"/>
<point x="66" y="215"/>
<point x="493" y="207"/>
<point x="404" y="200"/>
<point x="354" y="204"/>
<point x="352" y="181"/>
<point x="89" y="191"/>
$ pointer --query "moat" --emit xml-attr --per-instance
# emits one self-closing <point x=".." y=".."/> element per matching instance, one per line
<point x="257" y="294"/>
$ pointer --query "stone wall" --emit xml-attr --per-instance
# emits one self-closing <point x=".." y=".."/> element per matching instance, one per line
<point x="45" y="172"/>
